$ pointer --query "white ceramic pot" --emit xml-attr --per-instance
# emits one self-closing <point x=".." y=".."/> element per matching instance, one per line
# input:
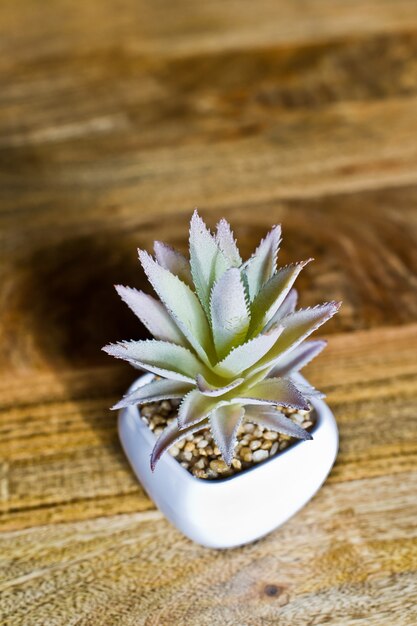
<point x="231" y="511"/>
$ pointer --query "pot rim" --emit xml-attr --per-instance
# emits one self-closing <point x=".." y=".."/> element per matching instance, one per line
<point x="318" y="406"/>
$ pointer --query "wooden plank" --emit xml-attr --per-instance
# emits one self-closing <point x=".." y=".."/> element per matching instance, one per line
<point x="364" y="246"/>
<point x="349" y="147"/>
<point x="121" y="101"/>
<point x="350" y="557"/>
<point x="158" y="28"/>
<point x="62" y="460"/>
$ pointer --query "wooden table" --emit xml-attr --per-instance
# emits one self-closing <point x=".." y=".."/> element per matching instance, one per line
<point x="117" y="117"/>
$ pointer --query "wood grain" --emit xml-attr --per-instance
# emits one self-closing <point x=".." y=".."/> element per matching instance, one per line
<point x="62" y="460"/>
<point x="158" y="28"/>
<point x="117" y="117"/>
<point x="333" y="563"/>
<point x="366" y="259"/>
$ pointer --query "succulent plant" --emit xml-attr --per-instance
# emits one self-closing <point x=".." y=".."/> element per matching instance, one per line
<point x="227" y="337"/>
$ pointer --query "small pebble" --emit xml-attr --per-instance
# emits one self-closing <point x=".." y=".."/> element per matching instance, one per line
<point x="199" y="454"/>
<point x="274" y="449"/>
<point x="298" y="418"/>
<point x="246" y="454"/>
<point x="270" y="435"/>
<point x="260" y="455"/>
<point x="219" y="466"/>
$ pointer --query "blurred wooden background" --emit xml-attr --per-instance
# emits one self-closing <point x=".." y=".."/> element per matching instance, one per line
<point x="117" y="118"/>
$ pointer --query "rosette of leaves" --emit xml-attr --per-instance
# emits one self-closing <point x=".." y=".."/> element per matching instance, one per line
<point x="227" y="337"/>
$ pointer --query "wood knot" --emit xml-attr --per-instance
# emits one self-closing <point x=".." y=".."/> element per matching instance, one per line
<point x="272" y="591"/>
<point x="277" y="593"/>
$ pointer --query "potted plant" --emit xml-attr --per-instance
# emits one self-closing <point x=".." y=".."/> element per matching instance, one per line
<point x="223" y="393"/>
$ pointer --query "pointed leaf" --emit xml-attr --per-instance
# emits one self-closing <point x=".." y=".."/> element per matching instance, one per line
<point x="294" y="360"/>
<point x="196" y="407"/>
<point x="152" y="314"/>
<point x="286" y="308"/>
<point x="280" y="391"/>
<point x="307" y="390"/>
<point x="207" y="261"/>
<point x="229" y="312"/>
<point x="245" y="356"/>
<point x="166" y="359"/>
<point x="224" y="424"/>
<point x="154" y="392"/>
<point x="227" y="243"/>
<point x="297" y="327"/>
<point x="275" y="420"/>
<point x="174" y="261"/>
<point x="272" y="295"/>
<point x="211" y="390"/>
<point x="262" y="264"/>
<point x="171" y="435"/>
<point x="181" y="303"/>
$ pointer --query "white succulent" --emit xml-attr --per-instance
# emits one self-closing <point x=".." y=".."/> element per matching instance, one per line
<point x="227" y="337"/>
